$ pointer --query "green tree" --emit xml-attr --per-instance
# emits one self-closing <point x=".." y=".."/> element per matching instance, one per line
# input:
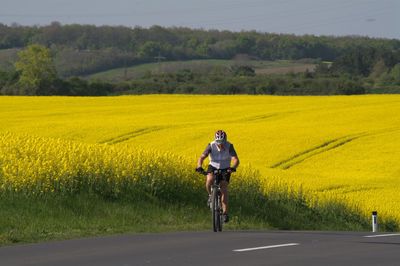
<point x="37" y="71"/>
<point x="378" y="69"/>
<point x="395" y="74"/>
<point x="245" y="44"/>
<point x="149" y="49"/>
<point x="241" y="71"/>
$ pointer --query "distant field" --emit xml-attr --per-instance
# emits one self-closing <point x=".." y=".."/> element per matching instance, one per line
<point x="287" y="69"/>
<point x="202" y="66"/>
<point x="338" y="148"/>
<point x="261" y="67"/>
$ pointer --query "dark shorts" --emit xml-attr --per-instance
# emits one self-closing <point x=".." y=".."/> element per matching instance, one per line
<point x="226" y="176"/>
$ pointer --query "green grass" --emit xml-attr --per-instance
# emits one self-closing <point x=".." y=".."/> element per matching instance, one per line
<point x="199" y="66"/>
<point x="50" y="218"/>
<point x="27" y="219"/>
<point x="138" y="71"/>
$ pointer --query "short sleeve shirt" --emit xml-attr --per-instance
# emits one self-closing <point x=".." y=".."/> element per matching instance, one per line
<point x="220" y="158"/>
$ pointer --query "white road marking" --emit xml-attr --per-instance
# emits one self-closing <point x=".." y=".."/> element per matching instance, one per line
<point x="266" y="247"/>
<point x="383" y="235"/>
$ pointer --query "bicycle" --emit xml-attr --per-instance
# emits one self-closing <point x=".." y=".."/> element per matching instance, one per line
<point x="216" y="201"/>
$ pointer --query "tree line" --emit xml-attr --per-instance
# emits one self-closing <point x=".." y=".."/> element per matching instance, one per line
<point x="368" y="64"/>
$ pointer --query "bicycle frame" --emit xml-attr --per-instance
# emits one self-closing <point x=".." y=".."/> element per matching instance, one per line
<point x="216" y="200"/>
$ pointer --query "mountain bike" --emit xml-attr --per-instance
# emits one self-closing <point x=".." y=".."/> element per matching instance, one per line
<point x="216" y="199"/>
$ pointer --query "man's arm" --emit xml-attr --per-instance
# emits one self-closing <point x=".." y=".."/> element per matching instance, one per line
<point x="201" y="160"/>
<point x="235" y="161"/>
<point x="234" y="157"/>
<point x="203" y="156"/>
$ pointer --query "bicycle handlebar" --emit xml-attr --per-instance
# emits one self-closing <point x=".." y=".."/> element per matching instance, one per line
<point x="216" y="171"/>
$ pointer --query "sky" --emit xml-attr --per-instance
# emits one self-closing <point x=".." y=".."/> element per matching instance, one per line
<point x="373" y="18"/>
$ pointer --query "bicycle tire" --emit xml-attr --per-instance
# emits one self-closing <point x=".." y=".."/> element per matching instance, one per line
<point x="220" y="220"/>
<point x="215" y="211"/>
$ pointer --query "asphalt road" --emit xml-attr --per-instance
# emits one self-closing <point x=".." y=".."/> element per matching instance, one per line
<point x="208" y="248"/>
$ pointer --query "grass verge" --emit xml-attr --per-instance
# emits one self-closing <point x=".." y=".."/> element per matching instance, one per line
<point x="27" y="219"/>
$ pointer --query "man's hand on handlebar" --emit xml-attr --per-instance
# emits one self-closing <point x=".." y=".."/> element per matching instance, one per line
<point x="200" y="170"/>
<point x="231" y="169"/>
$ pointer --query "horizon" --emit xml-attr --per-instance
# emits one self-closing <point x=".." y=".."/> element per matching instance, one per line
<point x="14" y="24"/>
<point x="363" y="18"/>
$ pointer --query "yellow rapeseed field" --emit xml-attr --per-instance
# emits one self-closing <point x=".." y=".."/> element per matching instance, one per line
<point x="334" y="148"/>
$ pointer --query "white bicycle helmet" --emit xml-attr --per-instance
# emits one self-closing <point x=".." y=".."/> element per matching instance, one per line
<point x="220" y="136"/>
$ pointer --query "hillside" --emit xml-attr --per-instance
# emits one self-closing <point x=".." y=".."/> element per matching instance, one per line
<point x="203" y="67"/>
<point x="172" y="60"/>
<point x="86" y="49"/>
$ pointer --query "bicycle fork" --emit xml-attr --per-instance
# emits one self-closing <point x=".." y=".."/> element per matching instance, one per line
<point x="218" y="198"/>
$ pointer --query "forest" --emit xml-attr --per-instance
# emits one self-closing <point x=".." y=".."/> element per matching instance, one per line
<point x="69" y="53"/>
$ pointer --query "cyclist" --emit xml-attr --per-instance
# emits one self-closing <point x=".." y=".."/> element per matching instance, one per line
<point x="221" y="153"/>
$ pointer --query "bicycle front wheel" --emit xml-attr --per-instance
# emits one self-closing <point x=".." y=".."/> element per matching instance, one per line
<point x="219" y="213"/>
<point x="216" y="219"/>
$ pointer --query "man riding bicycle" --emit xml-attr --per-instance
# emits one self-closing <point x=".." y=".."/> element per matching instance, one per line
<point x="221" y="153"/>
